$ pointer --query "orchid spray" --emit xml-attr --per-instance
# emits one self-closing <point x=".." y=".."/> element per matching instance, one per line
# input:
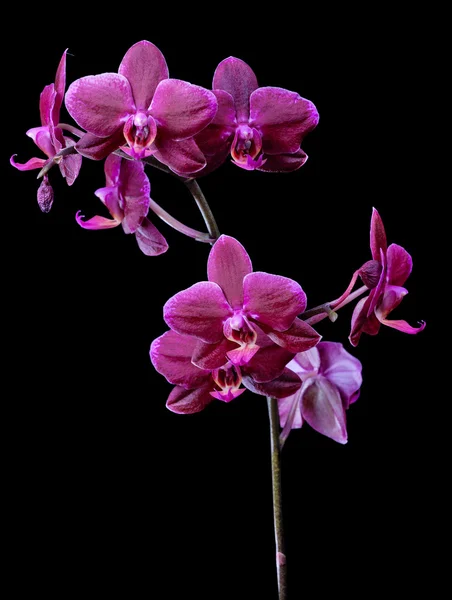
<point x="239" y="330"/>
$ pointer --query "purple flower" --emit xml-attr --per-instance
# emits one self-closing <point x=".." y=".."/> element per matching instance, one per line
<point x="172" y="353"/>
<point x="230" y="312"/>
<point x="140" y="106"/>
<point x="384" y="274"/>
<point x="262" y="128"/>
<point x="50" y="139"/>
<point x="127" y="196"/>
<point x="331" y="380"/>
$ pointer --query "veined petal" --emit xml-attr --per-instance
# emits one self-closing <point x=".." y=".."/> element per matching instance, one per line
<point x="199" y="310"/>
<point x="212" y="356"/>
<point x="268" y="363"/>
<point x="359" y="318"/>
<point x="286" y="384"/>
<point x="110" y="198"/>
<point x="404" y="326"/>
<point x="399" y="266"/>
<point x="213" y="137"/>
<point x="273" y="300"/>
<point x="183" y="157"/>
<point x="341" y="369"/>
<point x="290" y="413"/>
<point x="96" y="222"/>
<point x="306" y="363"/>
<point x="43" y="139"/>
<point x="100" y="103"/>
<point x="182" y="109"/>
<point x="377" y="236"/>
<point x="227" y="265"/>
<point x="321" y="407"/>
<point x="71" y="164"/>
<point x="46" y="105"/>
<point x="98" y="148"/>
<point x="33" y="163"/>
<point x="392" y="297"/>
<point x="150" y="241"/>
<point x="283" y="163"/>
<point x="60" y="86"/>
<point x="145" y="67"/>
<point x="134" y="188"/>
<point x="112" y="169"/>
<point x="238" y="79"/>
<point x="298" y="338"/>
<point x="186" y="402"/>
<point x="171" y="356"/>
<point x="282" y="117"/>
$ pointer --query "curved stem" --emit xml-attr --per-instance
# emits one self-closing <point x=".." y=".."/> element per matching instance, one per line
<point x="204" y="207"/>
<point x="71" y="129"/>
<point x="55" y="160"/>
<point x="314" y="315"/>
<point x="175" y="224"/>
<point x="281" y="569"/>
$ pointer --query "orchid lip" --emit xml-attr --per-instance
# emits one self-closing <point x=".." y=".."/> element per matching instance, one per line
<point x="247" y="143"/>
<point x="140" y="131"/>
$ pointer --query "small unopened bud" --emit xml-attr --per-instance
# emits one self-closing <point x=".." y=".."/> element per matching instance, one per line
<point x="45" y="195"/>
<point x="370" y="273"/>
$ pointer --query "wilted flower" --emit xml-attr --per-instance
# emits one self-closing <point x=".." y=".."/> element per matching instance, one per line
<point x="331" y="380"/>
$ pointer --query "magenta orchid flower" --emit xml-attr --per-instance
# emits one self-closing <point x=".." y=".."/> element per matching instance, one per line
<point x="50" y="139"/>
<point x="262" y="127"/>
<point x="140" y="106"/>
<point x="235" y="307"/>
<point x="127" y="198"/>
<point x="172" y="354"/>
<point x="331" y="381"/>
<point x="385" y="274"/>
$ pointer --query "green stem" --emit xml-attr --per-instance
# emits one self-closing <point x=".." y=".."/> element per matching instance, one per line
<point x="281" y="569"/>
<point x="204" y="207"/>
<point x="175" y="224"/>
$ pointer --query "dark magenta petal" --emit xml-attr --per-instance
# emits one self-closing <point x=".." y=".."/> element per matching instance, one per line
<point x="227" y="396"/>
<point x="362" y="322"/>
<point x="43" y="139"/>
<point x="112" y="169"/>
<point x="145" y="67"/>
<point x="238" y="79"/>
<point x="268" y="363"/>
<point x="100" y="103"/>
<point x="60" y="86"/>
<point x="286" y="384"/>
<point x="404" y="326"/>
<point x="46" y="105"/>
<point x="212" y="356"/>
<point x="284" y="163"/>
<point x="341" y="369"/>
<point x="150" y="241"/>
<point x="45" y="195"/>
<point x="199" y="310"/>
<point x="282" y="117"/>
<point x="227" y="265"/>
<point x="171" y="356"/>
<point x="214" y="137"/>
<point x="272" y="299"/>
<point x="98" y="148"/>
<point x="213" y="162"/>
<point x="298" y="338"/>
<point x="134" y="189"/>
<point x="399" y="265"/>
<point x="392" y="297"/>
<point x="187" y="402"/>
<point x="376" y="293"/>
<point x="183" y="157"/>
<point x="71" y="164"/>
<point x="96" y="222"/>
<point x="321" y="407"/>
<point x="33" y="163"/>
<point x="109" y="196"/>
<point x="377" y="236"/>
<point x="181" y="109"/>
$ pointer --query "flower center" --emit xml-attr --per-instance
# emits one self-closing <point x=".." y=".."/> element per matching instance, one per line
<point x="140" y="131"/>
<point x="247" y="142"/>
<point x="228" y="379"/>
<point x="239" y="330"/>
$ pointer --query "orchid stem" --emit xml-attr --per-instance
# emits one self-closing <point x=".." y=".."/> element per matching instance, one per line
<point x="281" y="569"/>
<point x="204" y="207"/>
<point x="175" y="224"/>
<point x="318" y="313"/>
<point x="55" y="160"/>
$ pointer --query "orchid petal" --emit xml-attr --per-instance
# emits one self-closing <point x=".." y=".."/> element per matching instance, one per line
<point x="71" y="164"/>
<point x="238" y="79"/>
<point x="241" y="356"/>
<point x="251" y="164"/>
<point x="359" y="318"/>
<point x="112" y="169"/>
<point x="227" y="397"/>
<point x="283" y="163"/>
<point x="290" y="413"/>
<point x="98" y="148"/>
<point x="307" y="362"/>
<point x="211" y="139"/>
<point x="400" y="265"/>
<point x="182" y="109"/>
<point x="150" y="241"/>
<point x="183" y="157"/>
<point x="282" y="117"/>
<point x="46" y="105"/>
<point x="43" y="139"/>
<point x="341" y="369"/>
<point x="212" y="356"/>
<point x="60" y="86"/>
<point x="404" y="326"/>
<point x="270" y="361"/>
<point x="227" y="265"/>
<point x="272" y="299"/>
<point x="186" y="402"/>
<point x="96" y="222"/>
<point x="286" y="384"/>
<point x="377" y="236"/>
<point x="100" y="103"/>
<point x="392" y="297"/>
<point x="33" y="163"/>
<point x="171" y="356"/>
<point x="145" y="67"/>
<point x="321" y="407"/>
<point x="110" y="197"/>
<point x="199" y="310"/>
<point x="298" y="338"/>
<point x="134" y="188"/>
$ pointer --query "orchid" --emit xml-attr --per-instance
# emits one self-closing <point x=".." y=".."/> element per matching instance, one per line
<point x="331" y="381"/>
<point x="385" y="275"/>
<point x="172" y="354"/>
<point x="127" y="197"/>
<point x="262" y="127"/>
<point x="142" y="109"/>
<point x="228" y="312"/>
<point x="50" y="139"/>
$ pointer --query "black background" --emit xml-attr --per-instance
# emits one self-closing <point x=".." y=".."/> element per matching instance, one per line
<point x="110" y="491"/>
